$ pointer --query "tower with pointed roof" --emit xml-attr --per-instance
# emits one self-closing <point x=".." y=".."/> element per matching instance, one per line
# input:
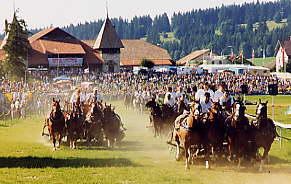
<point x="109" y="44"/>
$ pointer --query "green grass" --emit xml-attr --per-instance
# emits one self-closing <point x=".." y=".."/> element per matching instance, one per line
<point x="274" y="25"/>
<point x="169" y="38"/>
<point x="263" y="62"/>
<point x="26" y="157"/>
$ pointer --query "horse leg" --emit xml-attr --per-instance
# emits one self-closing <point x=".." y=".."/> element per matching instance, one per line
<point x="265" y="155"/>
<point x="207" y="155"/>
<point x="178" y="155"/>
<point x="187" y="155"/>
<point x="54" y="141"/>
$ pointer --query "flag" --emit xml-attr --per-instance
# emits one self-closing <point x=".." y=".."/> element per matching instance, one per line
<point x="283" y="57"/>
<point x="253" y="55"/>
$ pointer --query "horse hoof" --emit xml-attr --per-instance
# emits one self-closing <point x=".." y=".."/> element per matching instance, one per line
<point x="207" y="166"/>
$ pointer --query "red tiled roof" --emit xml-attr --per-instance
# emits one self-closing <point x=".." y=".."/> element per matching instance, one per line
<point x="47" y="42"/>
<point x="136" y="50"/>
<point x="57" y="47"/>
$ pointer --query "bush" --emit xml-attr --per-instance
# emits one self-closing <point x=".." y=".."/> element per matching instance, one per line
<point x="147" y="63"/>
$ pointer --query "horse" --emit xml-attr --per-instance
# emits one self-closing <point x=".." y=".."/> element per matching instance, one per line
<point x="190" y="134"/>
<point x="75" y="125"/>
<point x="93" y="123"/>
<point x="263" y="131"/>
<point x="156" y="117"/>
<point x="238" y="132"/>
<point x="112" y="126"/>
<point x="55" y="123"/>
<point x="215" y="128"/>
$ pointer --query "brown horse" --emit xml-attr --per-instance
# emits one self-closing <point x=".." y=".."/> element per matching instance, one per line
<point x="56" y="123"/>
<point x="156" y="117"/>
<point x="190" y="134"/>
<point x="75" y="125"/>
<point x="215" y="128"/>
<point x="112" y="126"/>
<point x="93" y="123"/>
<point x="238" y="132"/>
<point x="263" y="131"/>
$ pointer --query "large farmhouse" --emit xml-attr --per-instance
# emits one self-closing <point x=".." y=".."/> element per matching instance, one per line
<point x="54" y="49"/>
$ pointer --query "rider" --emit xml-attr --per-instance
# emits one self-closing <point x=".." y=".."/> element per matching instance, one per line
<point x="205" y="103"/>
<point x="226" y="101"/>
<point x="219" y="93"/>
<point x="170" y="97"/>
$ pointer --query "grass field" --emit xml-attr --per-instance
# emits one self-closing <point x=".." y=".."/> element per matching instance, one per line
<point x="264" y="62"/>
<point x="26" y="157"/>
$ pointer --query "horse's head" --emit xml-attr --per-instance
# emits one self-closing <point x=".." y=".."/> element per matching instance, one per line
<point x="239" y="110"/>
<point x="181" y="106"/>
<point x="262" y="109"/>
<point x="196" y="109"/>
<point x="56" y="106"/>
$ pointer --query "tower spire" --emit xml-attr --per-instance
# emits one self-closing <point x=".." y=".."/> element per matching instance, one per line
<point x="107" y="10"/>
<point x="13" y="6"/>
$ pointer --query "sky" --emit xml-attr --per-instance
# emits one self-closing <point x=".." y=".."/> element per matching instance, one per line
<point x="43" y="13"/>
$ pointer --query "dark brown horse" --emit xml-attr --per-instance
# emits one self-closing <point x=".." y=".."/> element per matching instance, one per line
<point x="263" y="131"/>
<point x="156" y="117"/>
<point x="93" y="123"/>
<point x="56" y="123"/>
<point x="238" y="132"/>
<point x="75" y="125"/>
<point x="215" y="128"/>
<point x="112" y="126"/>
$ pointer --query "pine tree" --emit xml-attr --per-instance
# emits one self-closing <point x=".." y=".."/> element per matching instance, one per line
<point x="16" y="48"/>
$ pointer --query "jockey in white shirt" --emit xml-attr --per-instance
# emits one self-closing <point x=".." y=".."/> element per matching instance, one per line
<point x="205" y="103"/>
<point x="218" y="94"/>
<point x="201" y="92"/>
<point x="170" y="97"/>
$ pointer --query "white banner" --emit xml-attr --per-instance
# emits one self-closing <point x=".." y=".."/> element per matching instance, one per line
<point x="65" y="62"/>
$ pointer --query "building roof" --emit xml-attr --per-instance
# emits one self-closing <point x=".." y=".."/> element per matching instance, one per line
<point x="107" y="37"/>
<point x="193" y="55"/>
<point x="57" y="41"/>
<point x="287" y="46"/>
<point x="136" y="50"/>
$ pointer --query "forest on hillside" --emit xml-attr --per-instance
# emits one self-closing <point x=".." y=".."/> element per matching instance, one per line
<point x="251" y="26"/>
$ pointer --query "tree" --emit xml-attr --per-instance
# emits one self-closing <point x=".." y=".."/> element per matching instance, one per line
<point x="147" y="63"/>
<point x="16" y="48"/>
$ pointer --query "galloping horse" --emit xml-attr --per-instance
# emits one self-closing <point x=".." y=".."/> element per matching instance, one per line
<point x="56" y="123"/>
<point x="93" y="123"/>
<point x="190" y="134"/>
<point x="263" y="131"/>
<point x="112" y="126"/>
<point x="238" y="132"/>
<point x="215" y="128"/>
<point x="156" y="118"/>
<point x="75" y="125"/>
